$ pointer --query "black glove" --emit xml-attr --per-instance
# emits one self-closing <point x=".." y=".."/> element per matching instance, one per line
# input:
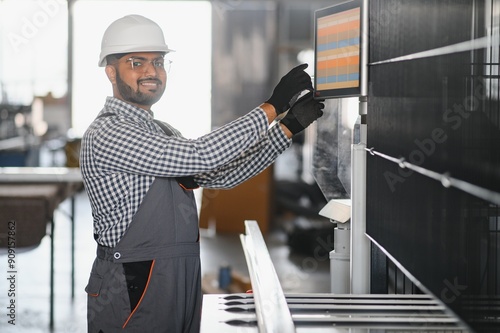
<point x="303" y="113"/>
<point x="291" y="84"/>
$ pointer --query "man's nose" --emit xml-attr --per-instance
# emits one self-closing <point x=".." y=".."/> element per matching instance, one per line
<point x="150" y="69"/>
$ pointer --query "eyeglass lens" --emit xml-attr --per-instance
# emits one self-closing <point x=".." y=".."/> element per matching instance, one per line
<point x="139" y="64"/>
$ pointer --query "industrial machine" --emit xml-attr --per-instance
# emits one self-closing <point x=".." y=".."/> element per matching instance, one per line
<point x="419" y="168"/>
<point x="267" y="309"/>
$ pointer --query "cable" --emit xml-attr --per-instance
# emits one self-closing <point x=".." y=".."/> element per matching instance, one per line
<point x="445" y="178"/>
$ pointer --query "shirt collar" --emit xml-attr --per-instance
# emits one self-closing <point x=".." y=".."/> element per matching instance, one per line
<point x="126" y="109"/>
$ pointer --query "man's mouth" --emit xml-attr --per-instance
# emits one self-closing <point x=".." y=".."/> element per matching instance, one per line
<point x="150" y="83"/>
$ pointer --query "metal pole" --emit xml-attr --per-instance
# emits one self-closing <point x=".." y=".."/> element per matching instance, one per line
<point x="364" y="48"/>
<point x="51" y="309"/>
<point x="360" y="244"/>
<point x="72" y="247"/>
<point x="340" y="259"/>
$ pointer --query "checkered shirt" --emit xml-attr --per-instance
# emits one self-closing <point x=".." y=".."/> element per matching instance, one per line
<point x="122" y="153"/>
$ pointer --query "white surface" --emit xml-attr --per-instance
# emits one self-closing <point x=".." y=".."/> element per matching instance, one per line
<point x="338" y="210"/>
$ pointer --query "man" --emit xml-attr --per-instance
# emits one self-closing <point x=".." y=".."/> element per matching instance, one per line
<point x="139" y="174"/>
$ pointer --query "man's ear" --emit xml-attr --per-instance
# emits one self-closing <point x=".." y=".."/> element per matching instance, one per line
<point x="111" y="73"/>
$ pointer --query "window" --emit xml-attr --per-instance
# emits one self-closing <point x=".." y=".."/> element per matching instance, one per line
<point x="187" y="30"/>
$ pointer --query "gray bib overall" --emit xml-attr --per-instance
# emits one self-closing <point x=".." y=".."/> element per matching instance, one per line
<point x="163" y="232"/>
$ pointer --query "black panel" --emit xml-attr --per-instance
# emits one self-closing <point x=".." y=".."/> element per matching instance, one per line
<point x="446" y="239"/>
<point x="428" y="106"/>
<point x="406" y="26"/>
<point x="441" y="113"/>
<point x="378" y="272"/>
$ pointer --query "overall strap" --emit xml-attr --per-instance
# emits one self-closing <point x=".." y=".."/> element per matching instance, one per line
<point x="186" y="182"/>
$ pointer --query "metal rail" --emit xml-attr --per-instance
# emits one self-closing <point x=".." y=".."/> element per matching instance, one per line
<point x="273" y="314"/>
<point x="470" y="45"/>
<point x="360" y="311"/>
<point x="445" y="179"/>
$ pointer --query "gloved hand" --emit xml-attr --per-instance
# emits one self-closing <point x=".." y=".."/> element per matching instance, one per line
<point x="291" y="84"/>
<point x="303" y="113"/>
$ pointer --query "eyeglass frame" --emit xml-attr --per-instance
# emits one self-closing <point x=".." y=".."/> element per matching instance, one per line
<point x="166" y="63"/>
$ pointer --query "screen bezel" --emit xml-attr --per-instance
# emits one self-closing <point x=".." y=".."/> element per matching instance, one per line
<point x="320" y="13"/>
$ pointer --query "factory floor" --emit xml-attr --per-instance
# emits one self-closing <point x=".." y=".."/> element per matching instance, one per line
<point x="297" y="272"/>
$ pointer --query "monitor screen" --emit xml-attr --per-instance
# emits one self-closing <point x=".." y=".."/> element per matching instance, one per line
<point x="337" y="71"/>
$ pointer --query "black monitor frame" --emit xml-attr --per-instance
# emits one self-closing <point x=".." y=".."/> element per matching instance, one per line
<point x="321" y="92"/>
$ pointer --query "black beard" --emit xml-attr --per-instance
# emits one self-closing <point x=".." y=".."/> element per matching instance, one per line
<point x="137" y="97"/>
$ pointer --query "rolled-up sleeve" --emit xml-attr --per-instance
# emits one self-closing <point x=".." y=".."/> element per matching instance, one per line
<point x="249" y="163"/>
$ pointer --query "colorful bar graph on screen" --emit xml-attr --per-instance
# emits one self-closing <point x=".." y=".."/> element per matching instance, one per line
<point x="338" y="50"/>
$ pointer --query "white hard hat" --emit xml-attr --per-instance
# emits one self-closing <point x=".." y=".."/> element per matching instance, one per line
<point x="132" y="33"/>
